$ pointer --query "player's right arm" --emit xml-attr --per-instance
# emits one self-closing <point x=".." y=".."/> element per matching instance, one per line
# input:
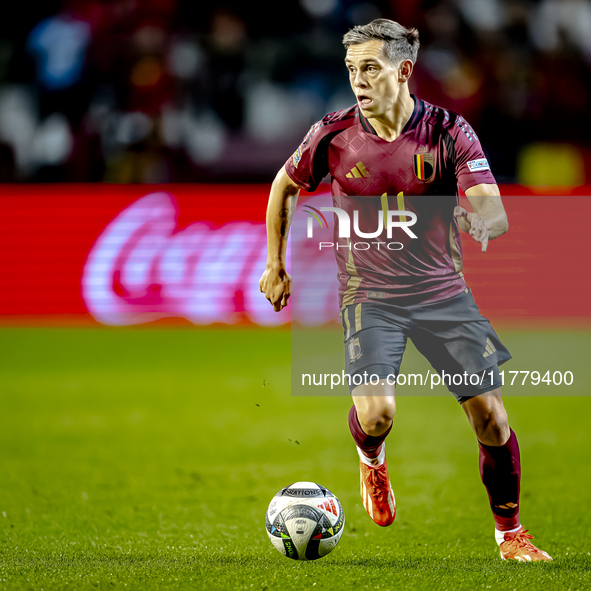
<point x="276" y="282"/>
<point x="307" y="166"/>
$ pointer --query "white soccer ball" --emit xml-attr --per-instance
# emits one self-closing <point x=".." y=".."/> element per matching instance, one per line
<point x="305" y="521"/>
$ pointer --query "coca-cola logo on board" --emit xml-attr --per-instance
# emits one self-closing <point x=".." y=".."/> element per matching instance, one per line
<point x="143" y="268"/>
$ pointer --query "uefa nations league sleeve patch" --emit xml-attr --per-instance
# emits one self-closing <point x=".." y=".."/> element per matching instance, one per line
<point x="478" y="165"/>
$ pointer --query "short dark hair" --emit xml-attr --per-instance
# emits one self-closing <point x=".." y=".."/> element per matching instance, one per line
<point x="400" y="43"/>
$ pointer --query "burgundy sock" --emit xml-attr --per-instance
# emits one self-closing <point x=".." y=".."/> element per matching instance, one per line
<point x="500" y="470"/>
<point x="370" y="445"/>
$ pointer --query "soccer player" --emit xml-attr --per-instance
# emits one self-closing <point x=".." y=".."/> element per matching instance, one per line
<point x="394" y="151"/>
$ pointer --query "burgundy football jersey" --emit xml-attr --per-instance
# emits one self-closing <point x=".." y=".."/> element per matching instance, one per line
<point x="419" y="172"/>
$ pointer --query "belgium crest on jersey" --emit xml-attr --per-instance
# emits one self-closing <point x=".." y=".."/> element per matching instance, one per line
<point x="423" y="165"/>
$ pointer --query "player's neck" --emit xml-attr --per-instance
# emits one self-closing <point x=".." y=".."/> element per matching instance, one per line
<point x="390" y="125"/>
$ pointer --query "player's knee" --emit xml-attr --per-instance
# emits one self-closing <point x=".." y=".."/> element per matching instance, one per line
<point x="493" y="428"/>
<point x="377" y="417"/>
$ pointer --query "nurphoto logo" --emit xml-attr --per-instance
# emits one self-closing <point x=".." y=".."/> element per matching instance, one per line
<point x="389" y="219"/>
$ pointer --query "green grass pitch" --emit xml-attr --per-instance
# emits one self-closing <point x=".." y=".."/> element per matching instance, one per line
<point x="145" y="459"/>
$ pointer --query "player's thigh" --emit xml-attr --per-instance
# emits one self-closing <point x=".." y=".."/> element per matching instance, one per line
<point x="375" y="340"/>
<point x="488" y="417"/>
<point x="460" y="344"/>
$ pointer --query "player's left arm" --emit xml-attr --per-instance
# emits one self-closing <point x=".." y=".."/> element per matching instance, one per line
<point x="490" y="218"/>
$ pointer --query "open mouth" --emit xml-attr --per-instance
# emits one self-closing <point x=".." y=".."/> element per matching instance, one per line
<point x="364" y="101"/>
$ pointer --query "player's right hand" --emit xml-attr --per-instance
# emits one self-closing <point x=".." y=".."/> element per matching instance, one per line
<point x="276" y="285"/>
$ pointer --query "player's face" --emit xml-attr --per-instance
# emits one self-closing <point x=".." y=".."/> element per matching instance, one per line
<point x="373" y="77"/>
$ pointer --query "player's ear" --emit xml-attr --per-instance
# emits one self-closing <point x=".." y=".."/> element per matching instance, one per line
<point x="405" y="71"/>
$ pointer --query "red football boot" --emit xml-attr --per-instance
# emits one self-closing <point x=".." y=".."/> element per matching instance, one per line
<point x="376" y="491"/>
<point x="517" y="546"/>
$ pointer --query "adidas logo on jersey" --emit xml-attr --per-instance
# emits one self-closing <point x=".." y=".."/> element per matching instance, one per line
<point x="358" y="171"/>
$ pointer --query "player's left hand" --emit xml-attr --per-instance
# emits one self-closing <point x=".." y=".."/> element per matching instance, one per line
<point x="474" y="225"/>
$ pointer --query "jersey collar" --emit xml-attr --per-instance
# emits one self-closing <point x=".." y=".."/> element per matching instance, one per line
<point x="417" y="113"/>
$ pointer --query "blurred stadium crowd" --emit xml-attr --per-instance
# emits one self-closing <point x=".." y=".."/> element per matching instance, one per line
<point x="177" y="91"/>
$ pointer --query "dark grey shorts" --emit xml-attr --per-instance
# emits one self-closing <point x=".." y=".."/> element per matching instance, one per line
<point x="452" y="335"/>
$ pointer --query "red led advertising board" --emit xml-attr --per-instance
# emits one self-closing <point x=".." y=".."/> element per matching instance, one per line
<point x="135" y="254"/>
